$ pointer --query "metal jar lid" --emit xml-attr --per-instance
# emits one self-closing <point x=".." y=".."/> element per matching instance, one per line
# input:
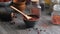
<point x="56" y="7"/>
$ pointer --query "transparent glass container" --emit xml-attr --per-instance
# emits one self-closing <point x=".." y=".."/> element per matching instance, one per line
<point x="56" y="14"/>
<point x="35" y="8"/>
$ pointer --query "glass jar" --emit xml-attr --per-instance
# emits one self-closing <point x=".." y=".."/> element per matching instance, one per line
<point x="35" y="8"/>
<point x="56" y="14"/>
<point x="20" y="4"/>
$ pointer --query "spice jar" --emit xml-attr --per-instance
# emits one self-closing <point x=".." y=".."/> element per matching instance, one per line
<point x="56" y="14"/>
<point x="20" y="4"/>
<point x="35" y="8"/>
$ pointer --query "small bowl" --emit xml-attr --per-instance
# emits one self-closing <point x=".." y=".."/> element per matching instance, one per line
<point x="30" y="23"/>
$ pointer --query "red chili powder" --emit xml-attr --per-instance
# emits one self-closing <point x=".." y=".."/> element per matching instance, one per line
<point x="34" y="18"/>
